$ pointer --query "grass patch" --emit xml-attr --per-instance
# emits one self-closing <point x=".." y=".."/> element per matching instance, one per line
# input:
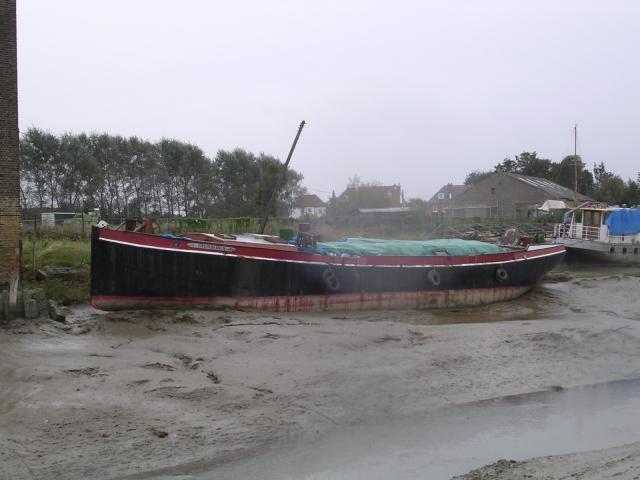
<point x="70" y="288"/>
<point x="67" y="253"/>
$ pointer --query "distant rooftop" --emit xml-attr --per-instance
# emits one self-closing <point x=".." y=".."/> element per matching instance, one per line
<point x="455" y="190"/>
<point x="552" y="189"/>
<point x="392" y="191"/>
<point x="309" y="200"/>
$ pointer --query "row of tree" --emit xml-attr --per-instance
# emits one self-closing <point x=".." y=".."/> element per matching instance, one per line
<point x="597" y="183"/>
<point x="133" y="177"/>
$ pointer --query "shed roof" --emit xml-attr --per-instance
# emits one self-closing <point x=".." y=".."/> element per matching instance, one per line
<point x="552" y="189"/>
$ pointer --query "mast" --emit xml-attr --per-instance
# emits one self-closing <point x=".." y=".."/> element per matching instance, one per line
<point x="575" y="164"/>
<point x="279" y="180"/>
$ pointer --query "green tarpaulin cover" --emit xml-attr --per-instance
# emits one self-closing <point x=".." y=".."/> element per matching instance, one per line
<point x="376" y="247"/>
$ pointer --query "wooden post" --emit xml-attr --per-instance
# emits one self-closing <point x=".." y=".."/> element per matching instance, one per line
<point x="33" y="244"/>
<point x="575" y="165"/>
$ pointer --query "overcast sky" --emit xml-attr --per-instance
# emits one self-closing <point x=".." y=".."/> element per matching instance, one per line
<point x="411" y="92"/>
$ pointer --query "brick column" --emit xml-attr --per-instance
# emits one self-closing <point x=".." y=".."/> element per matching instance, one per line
<point x="10" y="217"/>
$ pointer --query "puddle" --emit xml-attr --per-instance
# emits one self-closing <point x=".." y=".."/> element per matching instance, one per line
<point x="453" y="440"/>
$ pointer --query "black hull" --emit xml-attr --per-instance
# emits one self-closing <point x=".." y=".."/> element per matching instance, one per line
<point x="129" y="276"/>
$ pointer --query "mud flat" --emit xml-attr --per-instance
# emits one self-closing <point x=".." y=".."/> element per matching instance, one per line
<point x="149" y="394"/>
<point x="620" y="463"/>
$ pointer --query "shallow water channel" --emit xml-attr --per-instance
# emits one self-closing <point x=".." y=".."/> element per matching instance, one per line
<point x="452" y="440"/>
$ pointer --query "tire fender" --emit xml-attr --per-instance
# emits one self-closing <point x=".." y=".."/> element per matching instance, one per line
<point x="330" y="280"/>
<point x="501" y="274"/>
<point x="434" y="277"/>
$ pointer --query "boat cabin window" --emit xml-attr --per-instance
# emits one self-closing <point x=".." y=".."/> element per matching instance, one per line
<point x="591" y="218"/>
<point x="596" y="218"/>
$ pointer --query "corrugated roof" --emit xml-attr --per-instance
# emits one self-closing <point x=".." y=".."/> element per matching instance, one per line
<point x="553" y="190"/>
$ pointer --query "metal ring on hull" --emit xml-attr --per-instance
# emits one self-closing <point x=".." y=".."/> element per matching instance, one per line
<point x="501" y="274"/>
<point x="331" y="281"/>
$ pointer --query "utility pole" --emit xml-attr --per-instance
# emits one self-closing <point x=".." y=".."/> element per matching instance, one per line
<point x="575" y="164"/>
<point x="279" y="180"/>
<point x="10" y="214"/>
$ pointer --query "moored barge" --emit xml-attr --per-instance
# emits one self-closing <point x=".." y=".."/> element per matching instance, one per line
<point x="139" y="270"/>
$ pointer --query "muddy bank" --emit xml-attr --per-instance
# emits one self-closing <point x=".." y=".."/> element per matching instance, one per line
<point x="620" y="463"/>
<point x="130" y="394"/>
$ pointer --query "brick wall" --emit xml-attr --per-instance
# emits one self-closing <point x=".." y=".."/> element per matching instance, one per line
<point x="9" y="164"/>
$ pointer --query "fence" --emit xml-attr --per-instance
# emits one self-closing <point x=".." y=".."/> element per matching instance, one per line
<point x="408" y="225"/>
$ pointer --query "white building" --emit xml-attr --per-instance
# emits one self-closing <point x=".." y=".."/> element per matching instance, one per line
<point x="308" y="205"/>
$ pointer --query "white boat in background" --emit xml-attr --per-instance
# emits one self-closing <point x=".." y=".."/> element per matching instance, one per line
<point x="601" y="232"/>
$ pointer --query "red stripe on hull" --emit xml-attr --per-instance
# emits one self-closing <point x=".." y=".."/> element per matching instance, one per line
<point x="311" y="303"/>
